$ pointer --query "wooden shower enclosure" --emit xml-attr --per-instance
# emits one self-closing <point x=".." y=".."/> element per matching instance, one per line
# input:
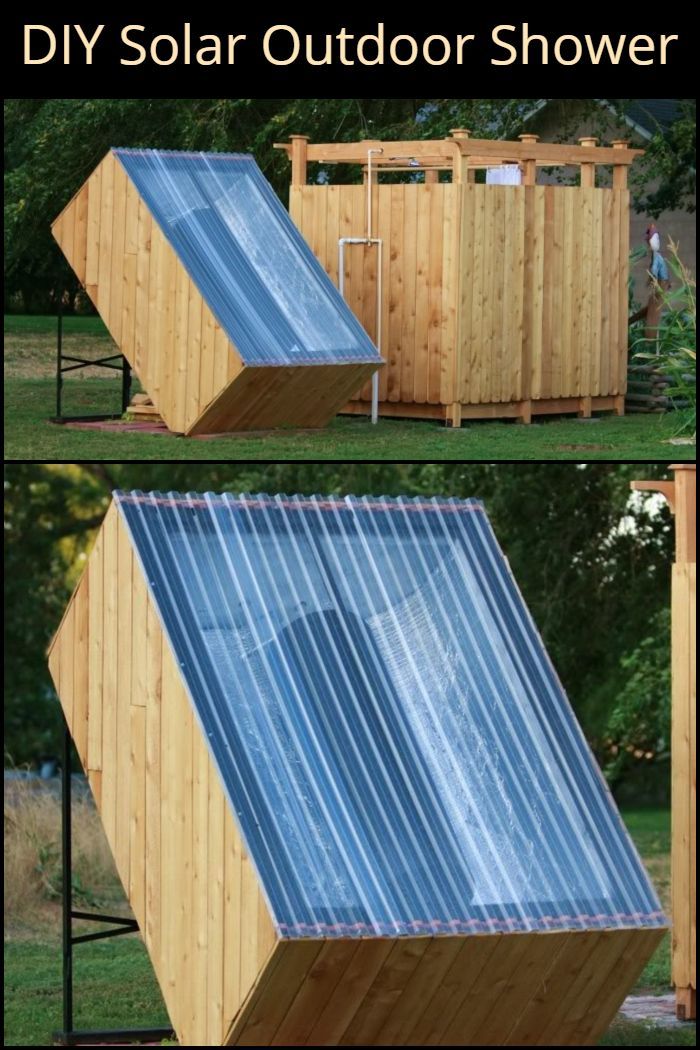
<point x="682" y="499"/>
<point x="496" y="300"/>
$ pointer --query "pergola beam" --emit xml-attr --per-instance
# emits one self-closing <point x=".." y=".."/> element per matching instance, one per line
<point x="477" y="153"/>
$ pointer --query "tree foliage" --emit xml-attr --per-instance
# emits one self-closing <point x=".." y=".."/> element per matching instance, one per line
<point x="592" y="563"/>
<point x="52" y="145"/>
<point x="638" y="728"/>
<point x="665" y="178"/>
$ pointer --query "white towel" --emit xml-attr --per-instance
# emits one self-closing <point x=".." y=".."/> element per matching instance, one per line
<point x="505" y="175"/>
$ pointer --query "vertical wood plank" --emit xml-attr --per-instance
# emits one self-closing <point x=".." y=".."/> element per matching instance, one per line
<point x="123" y="698"/>
<point x="514" y="367"/>
<point x="544" y="375"/>
<point x="322" y="978"/>
<point x="440" y="1010"/>
<point x="435" y="282"/>
<point x="258" y="1023"/>
<point x="194" y="402"/>
<point x="207" y="390"/>
<point x="81" y="681"/>
<point x="637" y="949"/>
<point x="200" y="882"/>
<point x="454" y="301"/>
<point x="552" y="1001"/>
<point x="557" y="272"/>
<point x="67" y="665"/>
<point x="597" y="292"/>
<point x="68" y="231"/>
<point x="606" y="339"/>
<point x="216" y="818"/>
<point x="537" y="248"/>
<point x="154" y="663"/>
<point x="137" y="813"/>
<point x="472" y="352"/>
<point x="681" y="774"/>
<point x="538" y="959"/>
<point x="138" y="694"/>
<point x="79" y="262"/>
<point x="692" y="780"/>
<point x="235" y="906"/>
<point x="419" y="990"/>
<point x="94" y="214"/>
<point x="623" y="327"/>
<point x="117" y="260"/>
<point x="141" y="306"/>
<point x="385" y="233"/>
<point x="131" y="218"/>
<point x="366" y="963"/>
<point x="408" y="306"/>
<point x="105" y="239"/>
<point x="422" y="294"/>
<point x="182" y="304"/>
<point x="386" y="990"/>
<point x="249" y="892"/>
<point x="110" y="658"/>
<point x="568" y="293"/>
<point x="498" y="318"/>
<point x="95" y="650"/>
<point x="171" y="926"/>
<point x="396" y="295"/>
<point x="618" y="268"/>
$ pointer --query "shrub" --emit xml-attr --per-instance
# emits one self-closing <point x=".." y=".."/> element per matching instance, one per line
<point x="674" y="349"/>
<point x="33" y="873"/>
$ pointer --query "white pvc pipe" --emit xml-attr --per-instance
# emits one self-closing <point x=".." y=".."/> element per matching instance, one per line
<point x="369" y="190"/>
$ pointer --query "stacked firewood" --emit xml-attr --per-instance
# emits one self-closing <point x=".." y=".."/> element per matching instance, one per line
<point x="649" y="389"/>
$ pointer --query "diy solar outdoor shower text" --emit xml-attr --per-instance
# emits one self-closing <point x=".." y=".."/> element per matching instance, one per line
<point x="284" y="45"/>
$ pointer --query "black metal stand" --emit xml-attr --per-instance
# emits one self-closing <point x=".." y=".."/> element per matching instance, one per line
<point x="120" y="926"/>
<point x="80" y="362"/>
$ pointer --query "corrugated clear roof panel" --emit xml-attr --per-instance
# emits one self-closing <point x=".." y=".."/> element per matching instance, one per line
<point x="392" y="736"/>
<point x="255" y="270"/>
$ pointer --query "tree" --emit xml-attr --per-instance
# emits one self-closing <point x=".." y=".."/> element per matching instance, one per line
<point x="665" y="178"/>
<point x="52" y="145"/>
<point x="593" y="565"/>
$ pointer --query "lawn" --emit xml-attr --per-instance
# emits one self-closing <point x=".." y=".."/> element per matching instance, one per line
<point x="33" y="975"/>
<point x="30" y="401"/>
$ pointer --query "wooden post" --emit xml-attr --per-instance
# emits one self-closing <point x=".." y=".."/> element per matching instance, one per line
<point x="299" y="144"/>
<point x="620" y="170"/>
<point x="680" y="494"/>
<point x="587" y="168"/>
<point x="462" y="172"/>
<point x="431" y="177"/>
<point x="530" y="163"/>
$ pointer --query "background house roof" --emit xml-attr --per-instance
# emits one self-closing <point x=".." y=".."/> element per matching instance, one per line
<point x="646" y="116"/>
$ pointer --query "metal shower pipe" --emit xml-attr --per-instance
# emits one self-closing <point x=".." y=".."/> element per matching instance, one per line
<point x="367" y="240"/>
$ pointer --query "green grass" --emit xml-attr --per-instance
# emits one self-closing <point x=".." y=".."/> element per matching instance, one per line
<point x="625" y="1033"/>
<point x="115" y="985"/>
<point x="30" y="401"/>
<point x="34" y="324"/>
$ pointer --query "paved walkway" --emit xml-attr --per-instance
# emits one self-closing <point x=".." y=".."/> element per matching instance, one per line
<point x="658" y="1010"/>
